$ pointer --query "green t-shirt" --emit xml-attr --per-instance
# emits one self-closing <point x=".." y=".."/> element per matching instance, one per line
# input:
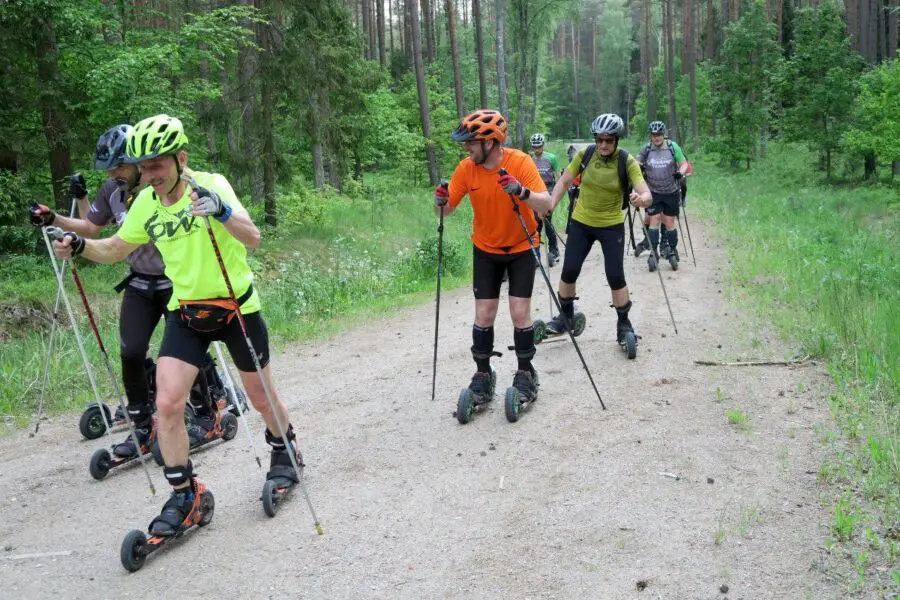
<point x="185" y="246"/>
<point x="600" y="201"/>
<point x="547" y="166"/>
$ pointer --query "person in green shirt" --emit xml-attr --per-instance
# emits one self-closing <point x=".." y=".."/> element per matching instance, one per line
<point x="548" y="167"/>
<point x="171" y="215"/>
<point x="598" y="217"/>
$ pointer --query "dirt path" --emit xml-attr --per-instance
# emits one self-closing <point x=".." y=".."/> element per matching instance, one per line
<point x="570" y="502"/>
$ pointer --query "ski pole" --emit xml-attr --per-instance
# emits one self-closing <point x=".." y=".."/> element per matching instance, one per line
<point x="437" y="299"/>
<point x="237" y="402"/>
<point x="282" y="430"/>
<point x="58" y="234"/>
<point x="688" y="225"/>
<point x="50" y="344"/>
<point x="663" y="285"/>
<point x="537" y="257"/>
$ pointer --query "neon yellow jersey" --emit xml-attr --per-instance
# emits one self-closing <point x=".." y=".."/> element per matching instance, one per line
<point x="600" y="200"/>
<point x="185" y="246"/>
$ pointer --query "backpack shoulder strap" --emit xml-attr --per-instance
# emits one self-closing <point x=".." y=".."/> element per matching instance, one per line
<point x="672" y="150"/>
<point x="622" y="168"/>
<point x="586" y="158"/>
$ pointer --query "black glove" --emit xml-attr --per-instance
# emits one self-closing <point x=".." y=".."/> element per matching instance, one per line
<point x="40" y="215"/>
<point x="77" y="186"/>
<point x="678" y="175"/>
<point x="77" y="243"/>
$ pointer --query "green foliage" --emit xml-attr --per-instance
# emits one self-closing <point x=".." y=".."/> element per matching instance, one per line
<point x="819" y="81"/>
<point x="876" y="124"/>
<point x="742" y="86"/>
<point x="16" y="233"/>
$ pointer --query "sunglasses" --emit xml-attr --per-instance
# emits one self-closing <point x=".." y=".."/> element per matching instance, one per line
<point x="601" y="140"/>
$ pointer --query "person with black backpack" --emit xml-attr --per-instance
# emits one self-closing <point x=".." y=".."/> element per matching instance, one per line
<point x="610" y="179"/>
<point x="665" y="167"/>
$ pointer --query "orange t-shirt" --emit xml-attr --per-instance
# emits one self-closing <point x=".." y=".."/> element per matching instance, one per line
<point x="496" y="227"/>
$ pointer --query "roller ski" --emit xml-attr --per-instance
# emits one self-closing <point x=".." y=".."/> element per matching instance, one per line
<point x="559" y="324"/>
<point x="522" y="394"/>
<point x="474" y="398"/>
<point x="203" y="429"/>
<point x="641" y="247"/>
<point x="625" y="335"/>
<point x="134" y="446"/>
<point x="92" y="423"/>
<point x="282" y="478"/>
<point x="182" y="512"/>
<point x="673" y="258"/>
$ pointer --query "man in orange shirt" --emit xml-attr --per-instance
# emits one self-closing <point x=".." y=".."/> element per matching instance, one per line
<point x="500" y="245"/>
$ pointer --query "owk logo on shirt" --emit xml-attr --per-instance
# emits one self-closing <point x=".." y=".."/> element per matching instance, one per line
<point x="162" y="225"/>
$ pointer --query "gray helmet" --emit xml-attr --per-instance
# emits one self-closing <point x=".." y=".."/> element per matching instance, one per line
<point x="537" y="140"/>
<point x="110" y="151"/>
<point x="608" y="124"/>
<point x="657" y="127"/>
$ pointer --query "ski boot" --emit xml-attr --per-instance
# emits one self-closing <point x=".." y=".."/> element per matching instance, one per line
<point x="102" y="461"/>
<point x="203" y="428"/>
<point x="642" y="246"/>
<point x="553" y="257"/>
<point x="673" y="258"/>
<point x="185" y="509"/>
<point x="473" y="398"/>
<point x="522" y="394"/>
<point x="282" y="476"/>
<point x="625" y="335"/>
<point x="652" y="260"/>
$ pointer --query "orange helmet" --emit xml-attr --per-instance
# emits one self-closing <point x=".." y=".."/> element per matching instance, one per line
<point x="481" y="125"/>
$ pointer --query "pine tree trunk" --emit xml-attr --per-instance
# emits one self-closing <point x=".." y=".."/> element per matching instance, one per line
<point x="893" y="19"/>
<point x="429" y="31"/>
<point x="454" y="54"/>
<point x="577" y="97"/>
<point x="651" y="80"/>
<point x="479" y="51"/>
<point x="691" y="60"/>
<point x="366" y="30"/>
<point x="53" y="116"/>
<point x="851" y="15"/>
<point x="390" y="23"/>
<point x="247" y="78"/>
<point x="407" y="34"/>
<point x="670" y="68"/>
<point x="382" y="54"/>
<point x="423" y="97"/>
<point x="724" y="10"/>
<point x="594" y="71"/>
<point x="500" y="9"/>
<point x="264" y="39"/>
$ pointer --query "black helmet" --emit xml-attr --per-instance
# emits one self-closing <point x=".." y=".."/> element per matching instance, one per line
<point x="111" y="147"/>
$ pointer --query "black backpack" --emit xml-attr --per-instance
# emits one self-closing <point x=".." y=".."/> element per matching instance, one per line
<point x="624" y="183"/>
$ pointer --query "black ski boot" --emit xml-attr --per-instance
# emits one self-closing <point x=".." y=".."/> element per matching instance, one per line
<point x="673" y="258"/>
<point x="282" y="477"/>
<point x="130" y="448"/>
<point x="625" y="335"/>
<point x="560" y="324"/>
<point x="186" y="508"/>
<point x="553" y="257"/>
<point x="474" y="397"/>
<point x="643" y="246"/>
<point x="522" y="394"/>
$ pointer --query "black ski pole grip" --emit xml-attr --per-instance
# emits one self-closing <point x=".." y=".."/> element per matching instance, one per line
<point x="445" y="184"/>
<point x="502" y="171"/>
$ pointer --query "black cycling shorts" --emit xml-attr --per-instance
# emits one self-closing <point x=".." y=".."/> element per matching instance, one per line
<point x="184" y="343"/>
<point x="578" y="245"/>
<point x="667" y="204"/>
<point x="488" y="270"/>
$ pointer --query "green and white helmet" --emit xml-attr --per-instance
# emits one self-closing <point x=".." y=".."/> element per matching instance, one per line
<point x="156" y="136"/>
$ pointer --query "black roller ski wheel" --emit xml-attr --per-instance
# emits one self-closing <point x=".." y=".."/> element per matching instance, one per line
<point x="101" y="462"/>
<point x="630" y="346"/>
<point x="540" y="331"/>
<point x="229" y="426"/>
<point x="673" y="261"/>
<point x="512" y="405"/>
<point x="207" y="508"/>
<point x="579" y="324"/>
<point x="156" y="451"/>
<point x="269" y="501"/>
<point x="465" y="406"/>
<point x="652" y="263"/>
<point x="91" y="423"/>
<point x="134" y="550"/>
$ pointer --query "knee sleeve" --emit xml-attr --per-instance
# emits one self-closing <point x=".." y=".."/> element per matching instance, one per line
<point x="482" y="342"/>
<point x="523" y="339"/>
<point x="178" y="474"/>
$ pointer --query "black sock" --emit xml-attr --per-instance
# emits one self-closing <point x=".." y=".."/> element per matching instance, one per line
<point x="523" y="340"/>
<point x="482" y="347"/>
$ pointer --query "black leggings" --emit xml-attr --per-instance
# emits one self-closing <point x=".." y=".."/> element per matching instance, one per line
<point x="578" y="245"/>
<point x="138" y="317"/>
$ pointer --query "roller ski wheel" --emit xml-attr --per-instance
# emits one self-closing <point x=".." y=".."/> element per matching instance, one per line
<point x="136" y="546"/>
<point x="101" y="463"/>
<point x="280" y="481"/>
<point x="91" y="423"/>
<point x="652" y="262"/>
<point x="473" y="398"/>
<point x="540" y="331"/>
<point x="627" y="339"/>
<point x="522" y="394"/>
<point x="103" y="460"/>
<point x="557" y="327"/>
<point x="673" y="260"/>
